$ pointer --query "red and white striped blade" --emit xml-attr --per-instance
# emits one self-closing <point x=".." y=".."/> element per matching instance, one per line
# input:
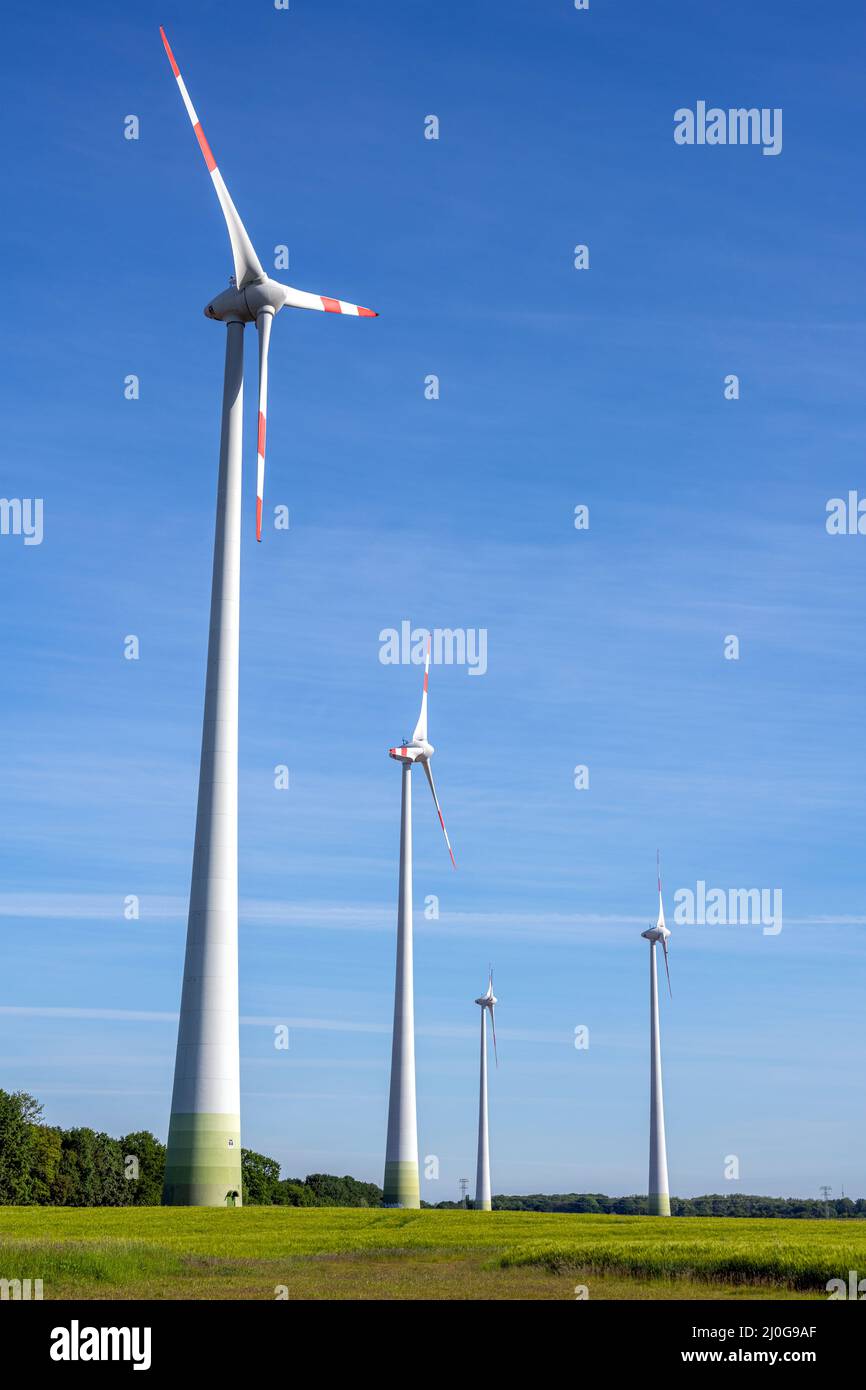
<point x="248" y="268"/>
<point x="426" y="766"/>
<point x="263" y="324"/>
<point x="420" y="733"/>
<point x="300" y="299"/>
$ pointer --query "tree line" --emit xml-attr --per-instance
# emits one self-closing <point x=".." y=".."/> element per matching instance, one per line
<point x="43" y="1165"/>
<point x="715" y="1204"/>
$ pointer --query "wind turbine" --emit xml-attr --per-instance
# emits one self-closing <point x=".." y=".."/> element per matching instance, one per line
<point x="659" y="1193"/>
<point x="482" y="1180"/>
<point x="401" y="1187"/>
<point x="203" y="1162"/>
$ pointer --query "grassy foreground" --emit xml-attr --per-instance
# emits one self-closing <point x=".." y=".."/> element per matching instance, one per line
<point x="327" y="1252"/>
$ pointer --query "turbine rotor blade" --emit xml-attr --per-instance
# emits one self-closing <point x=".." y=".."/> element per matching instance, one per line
<point x="420" y="734"/>
<point x="667" y="968"/>
<point x="263" y="324"/>
<point x="248" y="268"/>
<point x="493" y="1026"/>
<point x="301" y="299"/>
<point x="426" y="766"/>
<point x="661" y="920"/>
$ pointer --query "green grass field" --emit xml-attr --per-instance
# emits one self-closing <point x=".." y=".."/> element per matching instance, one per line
<point x="326" y="1252"/>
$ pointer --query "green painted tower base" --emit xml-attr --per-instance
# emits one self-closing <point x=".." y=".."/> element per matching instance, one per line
<point x="401" y="1186"/>
<point x="659" y="1204"/>
<point x="203" y="1161"/>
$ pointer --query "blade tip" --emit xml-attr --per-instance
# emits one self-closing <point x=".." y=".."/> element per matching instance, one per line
<point x="174" y="67"/>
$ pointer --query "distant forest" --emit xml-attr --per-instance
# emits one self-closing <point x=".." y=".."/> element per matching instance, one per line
<point x="46" y="1166"/>
<point x="717" y="1204"/>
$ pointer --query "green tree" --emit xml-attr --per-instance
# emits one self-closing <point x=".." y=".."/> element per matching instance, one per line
<point x="259" y="1176"/>
<point x="330" y="1191"/>
<point x="91" y="1171"/>
<point x="292" y="1192"/>
<point x="146" y="1189"/>
<point x="46" y="1151"/>
<point x="19" y="1113"/>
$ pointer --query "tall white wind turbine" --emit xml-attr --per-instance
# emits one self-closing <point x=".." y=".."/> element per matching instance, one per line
<point x="482" y="1177"/>
<point x="401" y="1186"/>
<point x="203" y="1162"/>
<point x="659" y="1192"/>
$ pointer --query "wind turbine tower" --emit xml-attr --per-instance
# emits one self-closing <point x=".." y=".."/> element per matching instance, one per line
<point x="203" y="1160"/>
<point x="482" y="1177"/>
<point x="401" y="1185"/>
<point x="659" y="1192"/>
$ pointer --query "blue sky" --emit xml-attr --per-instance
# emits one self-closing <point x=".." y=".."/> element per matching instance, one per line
<point x="605" y="647"/>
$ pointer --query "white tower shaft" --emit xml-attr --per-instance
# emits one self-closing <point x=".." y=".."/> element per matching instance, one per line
<point x="401" y="1186"/>
<point x="659" y="1196"/>
<point x="203" y="1161"/>
<point x="482" y="1177"/>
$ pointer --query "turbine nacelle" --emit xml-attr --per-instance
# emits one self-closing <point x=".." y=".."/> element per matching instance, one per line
<point x="413" y="752"/>
<point x="246" y="304"/>
<point x="656" y="934"/>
